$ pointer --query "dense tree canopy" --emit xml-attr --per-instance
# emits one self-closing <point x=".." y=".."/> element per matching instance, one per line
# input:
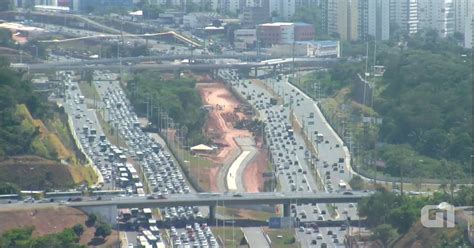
<point x="427" y="103"/>
<point x="401" y="211"/>
<point x="177" y="97"/>
<point x="14" y="139"/>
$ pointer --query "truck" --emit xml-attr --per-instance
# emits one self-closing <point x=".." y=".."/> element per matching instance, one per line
<point x="81" y="99"/>
<point x="342" y="184"/>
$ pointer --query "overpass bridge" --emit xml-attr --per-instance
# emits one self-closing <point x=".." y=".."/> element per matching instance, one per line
<point x="171" y="57"/>
<point x="272" y="64"/>
<point x="107" y="208"/>
<point x="212" y="200"/>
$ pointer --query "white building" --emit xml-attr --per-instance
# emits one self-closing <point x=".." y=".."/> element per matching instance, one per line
<point x="230" y="6"/>
<point x="327" y="48"/>
<point x="462" y="14"/>
<point x="469" y="28"/>
<point x="437" y="14"/>
<point x="378" y="19"/>
<point x="404" y="14"/>
<point x="283" y="9"/>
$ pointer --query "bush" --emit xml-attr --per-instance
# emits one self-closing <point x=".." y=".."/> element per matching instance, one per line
<point x="91" y="220"/>
<point x="78" y="229"/>
<point x="289" y="241"/>
<point x="103" y="230"/>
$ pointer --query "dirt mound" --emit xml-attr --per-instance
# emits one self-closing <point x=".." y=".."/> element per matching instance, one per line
<point x="51" y="220"/>
<point x="35" y="173"/>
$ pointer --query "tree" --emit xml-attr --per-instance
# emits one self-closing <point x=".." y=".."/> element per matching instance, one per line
<point x="385" y="233"/>
<point x="357" y="183"/>
<point x="88" y="76"/>
<point x="91" y="220"/>
<point x="78" y="229"/>
<point x="152" y="11"/>
<point x="103" y="230"/>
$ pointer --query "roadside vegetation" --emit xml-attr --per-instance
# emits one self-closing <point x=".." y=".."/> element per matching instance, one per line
<point x="282" y="237"/>
<point x="23" y="237"/>
<point x="420" y="117"/>
<point x="178" y="98"/>
<point x="393" y="215"/>
<point x="231" y="237"/>
<point x="37" y="150"/>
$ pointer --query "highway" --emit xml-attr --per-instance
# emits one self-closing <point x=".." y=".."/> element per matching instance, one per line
<point x="211" y="199"/>
<point x="171" y="57"/>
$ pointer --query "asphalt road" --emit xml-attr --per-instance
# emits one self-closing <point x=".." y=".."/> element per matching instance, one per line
<point x="255" y="237"/>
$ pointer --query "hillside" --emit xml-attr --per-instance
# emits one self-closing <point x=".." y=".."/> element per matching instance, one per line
<point x="53" y="220"/>
<point x="36" y="144"/>
<point x="419" y="237"/>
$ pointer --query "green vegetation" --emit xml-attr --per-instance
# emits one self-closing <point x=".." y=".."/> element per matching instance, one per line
<point x="423" y="102"/>
<point x="103" y="230"/>
<point x="385" y="233"/>
<point x="8" y="188"/>
<point x="401" y="212"/>
<point x="390" y="214"/>
<point x="177" y="97"/>
<point x="78" y="229"/>
<point x="282" y="237"/>
<point x="357" y="183"/>
<point x="22" y="238"/>
<point x="312" y="15"/>
<point x="232" y="237"/>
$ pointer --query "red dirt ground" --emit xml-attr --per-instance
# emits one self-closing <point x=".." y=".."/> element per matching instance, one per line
<point x="51" y="220"/>
<point x="220" y="124"/>
<point x="253" y="179"/>
<point x="219" y="128"/>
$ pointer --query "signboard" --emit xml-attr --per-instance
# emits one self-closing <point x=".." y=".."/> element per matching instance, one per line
<point x="280" y="222"/>
<point x="274" y="222"/>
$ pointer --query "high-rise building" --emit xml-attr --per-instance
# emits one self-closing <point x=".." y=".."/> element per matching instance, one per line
<point x="343" y="18"/>
<point x="378" y="19"/>
<point x="282" y="9"/>
<point x="404" y="15"/>
<point x="438" y="15"/>
<point x="469" y="27"/>
<point x="462" y="10"/>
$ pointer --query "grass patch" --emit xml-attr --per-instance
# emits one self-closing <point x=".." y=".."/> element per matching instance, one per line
<point x="82" y="174"/>
<point x="332" y="210"/>
<point x="233" y="236"/>
<point x="35" y="173"/>
<point x="88" y="90"/>
<point x="284" y="238"/>
<point x="236" y="213"/>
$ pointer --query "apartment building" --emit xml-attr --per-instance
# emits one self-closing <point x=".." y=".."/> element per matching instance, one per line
<point x="282" y="9"/>
<point x="404" y="15"/>
<point x="343" y="19"/>
<point x="438" y="15"/>
<point x="378" y="19"/>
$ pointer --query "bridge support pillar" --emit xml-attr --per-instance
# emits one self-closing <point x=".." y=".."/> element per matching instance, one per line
<point x="286" y="210"/>
<point x="212" y="214"/>
<point x="256" y="72"/>
<point x="274" y="70"/>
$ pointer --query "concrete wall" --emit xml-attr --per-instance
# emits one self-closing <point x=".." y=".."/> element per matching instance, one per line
<point x="105" y="213"/>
